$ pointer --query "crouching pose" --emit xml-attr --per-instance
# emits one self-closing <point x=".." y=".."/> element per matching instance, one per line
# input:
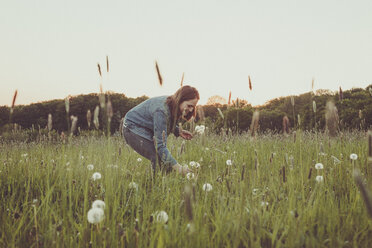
<point x="147" y="126"/>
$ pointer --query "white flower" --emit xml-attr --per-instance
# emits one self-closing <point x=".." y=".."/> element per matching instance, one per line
<point x="264" y="203"/>
<point x="190" y="176"/>
<point x="133" y="185"/>
<point x="161" y="216"/>
<point x="319" y="179"/>
<point x="24" y="155"/>
<point x="353" y="156"/>
<point x="200" y="129"/>
<point x="139" y="159"/>
<point x="95" y="215"/>
<point x="228" y="162"/>
<point x="207" y="187"/>
<point x="99" y="204"/>
<point x="319" y="166"/>
<point x="254" y="191"/>
<point x="68" y="163"/>
<point x="194" y="164"/>
<point x="96" y="176"/>
<point x="90" y="167"/>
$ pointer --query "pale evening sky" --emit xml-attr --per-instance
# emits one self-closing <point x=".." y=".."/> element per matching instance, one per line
<point x="50" y="49"/>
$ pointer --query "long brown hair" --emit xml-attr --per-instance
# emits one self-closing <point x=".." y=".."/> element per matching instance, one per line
<point x="184" y="93"/>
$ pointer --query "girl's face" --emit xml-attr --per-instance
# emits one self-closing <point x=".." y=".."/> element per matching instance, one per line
<point x="187" y="108"/>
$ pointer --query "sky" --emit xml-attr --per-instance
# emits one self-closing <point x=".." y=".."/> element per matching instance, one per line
<point x="50" y="49"/>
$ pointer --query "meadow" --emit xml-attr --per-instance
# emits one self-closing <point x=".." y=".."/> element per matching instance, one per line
<point x="270" y="190"/>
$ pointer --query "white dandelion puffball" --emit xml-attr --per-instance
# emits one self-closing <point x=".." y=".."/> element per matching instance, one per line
<point x="319" y="166"/>
<point x="200" y="129"/>
<point x="161" y="216"/>
<point x="228" y="162"/>
<point x="319" y="179"/>
<point x="99" y="204"/>
<point x="133" y="185"/>
<point x="96" y="176"/>
<point x="194" y="164"/>
<point x="190" y="176"/>
<point x="139" y="159"/>
<point x="95" y="215"/>
<point x="90" y="167"/>
<point x="207" y="187"/>
<point x="353" y="156"/>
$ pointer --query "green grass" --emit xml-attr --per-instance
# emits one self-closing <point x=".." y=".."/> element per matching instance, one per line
<point x="300" y="211"/>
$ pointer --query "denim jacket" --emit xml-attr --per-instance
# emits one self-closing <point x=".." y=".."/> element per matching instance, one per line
<point x="151" y="120"/>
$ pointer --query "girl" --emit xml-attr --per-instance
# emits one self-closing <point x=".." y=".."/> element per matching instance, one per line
<point x="147" y="125"/>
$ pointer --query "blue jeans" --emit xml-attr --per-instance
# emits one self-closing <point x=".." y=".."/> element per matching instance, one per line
<point x="144" y="147"/>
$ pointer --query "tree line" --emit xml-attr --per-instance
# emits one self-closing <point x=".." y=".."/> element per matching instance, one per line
<point x="306" y="111"/>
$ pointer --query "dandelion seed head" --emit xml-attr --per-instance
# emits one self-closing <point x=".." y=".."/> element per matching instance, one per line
<point x="161" y="216"/>
<point x="139" y="159"/>
<point x="319" y="179"/>
<point x="99" y="204"/>
<point x="96" y="176"/>
<point x="200" y="129"/>
<point x="194" y="164"/>
<point x="95" y="215"/>
<point x="319" y="166"/>
<point x="190" y="176"/>
<point x="90" y="167"/>
<point x="228" y="162"/>
<point x="207" y="187"/>
<point x="353" y="156"/>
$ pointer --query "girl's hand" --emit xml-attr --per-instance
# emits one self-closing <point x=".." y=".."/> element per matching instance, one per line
<point x="186" y="134"/>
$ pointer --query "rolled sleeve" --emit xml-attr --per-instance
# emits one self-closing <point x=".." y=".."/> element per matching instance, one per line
<point x="160" y="135"/>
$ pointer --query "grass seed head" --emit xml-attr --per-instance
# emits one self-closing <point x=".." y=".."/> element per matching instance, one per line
<point x="89" y="117"/>
<point x="159" y="75"/>
<point x="332" y="119"/>
<point x="254" y="123"/>
<point x="96" y="119"/>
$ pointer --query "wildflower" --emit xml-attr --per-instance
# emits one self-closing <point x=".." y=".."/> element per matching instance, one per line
<point x="24" y="155"/>
<point x="319" y="166"/>
<point x="319" y="179"/>
<point x="190" y="176"/>
<point x="161" y="216"/>
<point x="96" y="176"/>
<point x="254" y="191"/>
<point x="95" y="215"/>
<point x="139" y="159"/>
<point x="99" y="204"/>
<point x="200" y="129"/>
<point x="264" y="203"/>
<point x="228" y="162"/>
<point x="194" y="164"/>
<point x="68" y="163"/>
<point x="90" y="167"/>
<point x="207" y="187"/>
<point x="133" y="185"/>
<point x="353" y="156"/>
